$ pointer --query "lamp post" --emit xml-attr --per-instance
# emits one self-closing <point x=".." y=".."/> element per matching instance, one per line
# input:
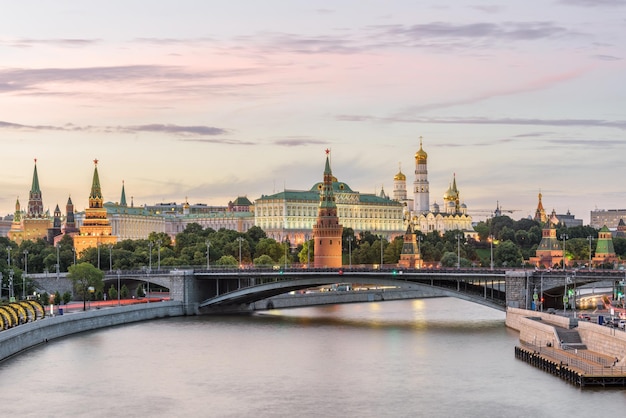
<point x="308" y="252"/>
<point x="350" y="238"/>
<point x="381" y="251"/>
<point x="458" y="251"/>
<point x="11" y="290"/>
<point x="208" y="249"/>
<point x="240" y="239"/>
<point x="158" y="254"/>
<point x="110" y="258"/>
<point x="149" y="256"/>
<point x="564" y="237"/>
<point x="98" y="245"/>
<point x="590" y="238"/>
<point x="491" y="249"/>
<point x="25" y="274"/>
<point x="118" y="287"/>
<point x="286" y="246"/>
<point x="58" y="265"/>
<point x="420" y="238"/>
<point x="147" y="286"/>
<point x="9" y="257"/>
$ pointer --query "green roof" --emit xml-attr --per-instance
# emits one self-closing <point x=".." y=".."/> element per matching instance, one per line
<point x="313" y="195"/>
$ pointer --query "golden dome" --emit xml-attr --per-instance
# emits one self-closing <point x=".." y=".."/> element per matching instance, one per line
<point x="421" y="155"/>
<point x="400" y="176"/>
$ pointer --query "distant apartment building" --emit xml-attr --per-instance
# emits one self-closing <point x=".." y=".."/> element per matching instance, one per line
<point x="608" y="217"/>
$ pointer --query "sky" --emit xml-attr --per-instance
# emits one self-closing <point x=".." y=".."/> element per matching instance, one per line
<point x="211" y="100"/>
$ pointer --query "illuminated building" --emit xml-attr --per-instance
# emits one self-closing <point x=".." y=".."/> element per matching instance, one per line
<point x="95" y="229"/>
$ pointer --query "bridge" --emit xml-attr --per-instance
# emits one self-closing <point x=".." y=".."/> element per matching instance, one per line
<point x="242" y="290"/>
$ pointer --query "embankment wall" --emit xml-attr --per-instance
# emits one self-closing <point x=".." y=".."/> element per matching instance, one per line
<point x="23" y="337"/>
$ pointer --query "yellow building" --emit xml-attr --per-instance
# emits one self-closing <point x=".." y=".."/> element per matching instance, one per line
<point x="96" y="228"/>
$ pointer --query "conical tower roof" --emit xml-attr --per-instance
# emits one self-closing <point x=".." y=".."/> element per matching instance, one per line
<point x="328" y="197"/>
<point x="35" y="186"/>
<point x="123" y="198"/>
<point x="96" y="191"/>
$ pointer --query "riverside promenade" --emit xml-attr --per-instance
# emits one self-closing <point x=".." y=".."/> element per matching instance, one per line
<point x="580" y="352"/>
<point x="15" y="340"/>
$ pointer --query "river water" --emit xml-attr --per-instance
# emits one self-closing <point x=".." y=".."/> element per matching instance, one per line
<point x="419" y="358"/>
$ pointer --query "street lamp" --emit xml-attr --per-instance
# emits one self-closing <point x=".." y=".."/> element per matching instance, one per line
<point x="491" y="249"/>
<point x="208" y="249"/>
<point x="420" y="238"/>
<point x="286" y="246"/>
<point x="381" y="251"/>
<point x="308" y="251"/>
<point x="350" y="238"/>
<point x="149" y="256"/>
<point x="564" y="237"/>
<point x="458" y="251"/>
<point x="25" y="274"/>
<point x="240" y="239"/>
<point x="159" y="254"/>
<point x="110" y="257"/>
<point x="590" y="238"/>
<point x="118" y="287"/>
<point x="11" y="290"/>
<point x="58" y="265"/>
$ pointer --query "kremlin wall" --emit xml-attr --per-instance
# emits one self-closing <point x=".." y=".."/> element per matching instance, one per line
<point x="321" y="212"/>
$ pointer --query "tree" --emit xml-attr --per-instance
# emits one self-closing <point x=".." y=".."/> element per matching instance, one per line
<point x="112" y="293"/>
<point x="67" y="297"/>
<point x="263" y="261"/>
<point x="57" y="298"/>
<point x="306" y="255"/>
<point x="227" y="260"/>
<point x="124" y="292"/>
<point x="44" y="298"/>
<point x="85" y="276"/>
<point x="507" y="254"/>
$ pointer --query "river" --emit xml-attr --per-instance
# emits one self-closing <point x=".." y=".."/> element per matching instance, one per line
<point x="417" y="358"/>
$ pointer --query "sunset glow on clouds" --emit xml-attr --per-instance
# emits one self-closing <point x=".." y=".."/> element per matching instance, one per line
<point x="212" y="100"/>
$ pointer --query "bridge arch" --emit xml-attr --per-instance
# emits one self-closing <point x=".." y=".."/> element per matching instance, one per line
<point x="243" y="298"/>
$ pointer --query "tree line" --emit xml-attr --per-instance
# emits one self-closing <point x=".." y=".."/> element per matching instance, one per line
<point x="511" y="243"/>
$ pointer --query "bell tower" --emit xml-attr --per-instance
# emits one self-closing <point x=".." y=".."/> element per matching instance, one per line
<point x="420" y="185"/>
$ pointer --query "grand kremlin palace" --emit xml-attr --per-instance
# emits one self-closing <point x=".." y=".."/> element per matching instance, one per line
<point x="291" y="214"/>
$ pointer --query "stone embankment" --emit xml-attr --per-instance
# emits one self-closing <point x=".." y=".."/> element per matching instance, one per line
<point x="580" y="352"/>
<point x="23" y="337"/>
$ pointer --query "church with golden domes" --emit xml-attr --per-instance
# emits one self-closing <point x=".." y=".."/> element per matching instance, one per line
<point x="425" y="217"/>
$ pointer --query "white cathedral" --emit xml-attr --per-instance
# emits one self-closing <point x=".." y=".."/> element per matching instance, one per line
<point x="424" y="217"/>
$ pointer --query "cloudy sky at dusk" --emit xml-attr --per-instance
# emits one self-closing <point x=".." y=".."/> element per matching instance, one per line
<point x="212" y="100"/>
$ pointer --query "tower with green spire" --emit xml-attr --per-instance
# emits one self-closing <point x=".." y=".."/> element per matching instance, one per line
<point x="33" y="223"/>
<point x="96" y="229"/>
<point x="123" y="198"/>
<point x="35" y="202"/>
<point x="327" y="232"/>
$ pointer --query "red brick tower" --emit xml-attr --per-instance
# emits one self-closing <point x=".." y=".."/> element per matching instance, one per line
<point x="327" y="231"/>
